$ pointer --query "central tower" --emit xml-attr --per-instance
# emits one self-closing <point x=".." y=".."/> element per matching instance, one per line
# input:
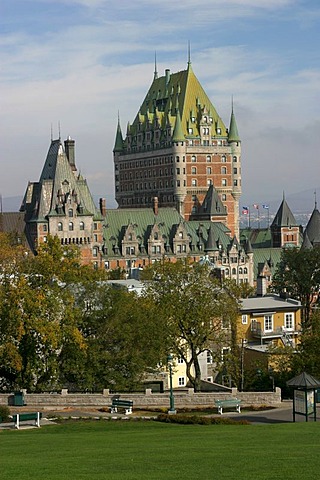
<point x="176" y="149"/>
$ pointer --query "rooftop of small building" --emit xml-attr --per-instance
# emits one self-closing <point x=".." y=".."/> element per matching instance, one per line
<point x="268" y="302"/>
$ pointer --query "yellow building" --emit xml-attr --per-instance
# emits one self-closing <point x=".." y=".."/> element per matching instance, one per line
<point x="267" y="321"/>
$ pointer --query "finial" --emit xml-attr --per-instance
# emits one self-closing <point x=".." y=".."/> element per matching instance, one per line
<point x="59" y="129"/>
<point x="315" y="199"/>
<point x="155" y="66"/>
<point x="189" y="54"/>
<point x="51" y="133"/>
<point x="232" y="103"/>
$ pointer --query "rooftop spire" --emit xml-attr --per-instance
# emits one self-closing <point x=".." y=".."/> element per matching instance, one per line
<point x="155" y="66"/>
<point x="178" y="135"/>
<point x="118" y="144"/>
<point x="189" y="54"/>
<point x="233" y="135"/>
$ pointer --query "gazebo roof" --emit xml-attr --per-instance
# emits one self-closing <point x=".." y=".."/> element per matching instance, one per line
<point x="304" y="380"/>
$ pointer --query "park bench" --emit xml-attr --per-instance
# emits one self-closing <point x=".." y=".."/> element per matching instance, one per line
<point x="123" y="404"/>
<point x="26" y="417"/>
<point x="229" y="403"/>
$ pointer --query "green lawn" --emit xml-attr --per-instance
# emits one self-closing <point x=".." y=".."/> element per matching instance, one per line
<point x="149" y="450"/>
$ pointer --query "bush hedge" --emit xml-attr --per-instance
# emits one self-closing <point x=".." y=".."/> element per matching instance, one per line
<point x="4" y="413"/>
<point x="199" y="420"/>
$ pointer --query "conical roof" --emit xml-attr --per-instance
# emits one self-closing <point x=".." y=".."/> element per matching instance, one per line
<point x="118" y="144"/>
<point x="313" y="227"/>
<point x="211" y="245"/>
<point x="304" y="380"/>
<point x="212" y="204"/>
<point x="178" y="135"/>
<point x="306" y="244"/>
<point x="233" y="135"/>
<point x="284" y="217"/>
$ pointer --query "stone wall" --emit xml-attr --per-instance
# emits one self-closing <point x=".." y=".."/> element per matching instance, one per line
<point x="183" y="399"/>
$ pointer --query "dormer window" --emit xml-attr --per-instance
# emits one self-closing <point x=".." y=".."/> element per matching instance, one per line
<point x="70" y="212"/>
<point x="219" y="131"/>
<point x="190" y="131"/>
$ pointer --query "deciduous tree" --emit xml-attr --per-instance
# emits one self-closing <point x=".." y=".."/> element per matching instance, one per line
<point x="195" y="311"/>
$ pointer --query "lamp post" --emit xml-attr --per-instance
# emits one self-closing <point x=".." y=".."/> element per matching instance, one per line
<point x="171" y="410"/>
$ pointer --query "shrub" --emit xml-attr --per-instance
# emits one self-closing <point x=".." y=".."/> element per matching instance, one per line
<point x="198" y="420"/>
<point x="4" y="412"/>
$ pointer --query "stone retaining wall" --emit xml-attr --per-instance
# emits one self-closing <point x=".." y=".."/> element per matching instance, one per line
<point x="182" y="399"/>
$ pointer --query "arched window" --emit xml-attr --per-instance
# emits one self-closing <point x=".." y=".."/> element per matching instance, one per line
<point x="208" y="158"/>
<point x="95" y="251"/>
<point x="70" y="212"/>
<point x="223" y="170"/>
<point x="70" y="226"/>
<point x="81" y="226"/>
<point x="234" y="271"/>
<point x="194" y="182"/>
<point x="193" y="158"/>
<point x="224" y="182"/>
<point x="194" y="170"/>
<point x="60" y="227"/>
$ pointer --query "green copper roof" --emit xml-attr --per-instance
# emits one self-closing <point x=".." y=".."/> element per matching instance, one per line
<point x="178" y="135"/>
<point x="233" y="135"/>
<point x="175" y="92"/>
<point x="118" y="145"/>
<point x="142" y="220"/>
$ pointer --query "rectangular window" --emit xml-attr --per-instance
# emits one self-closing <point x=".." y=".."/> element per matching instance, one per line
<point x="181" y="381"/>
<point x="289" y="321"/>
<point x="268" y="323"/>
<point x="209" y="357"/>
<point x="244" y="319"/>
<point x="180" y="360"/>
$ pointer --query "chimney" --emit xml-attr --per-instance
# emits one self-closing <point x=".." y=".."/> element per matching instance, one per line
<point x="167" y="73"/>
<point x="70" y="151"/>
<point x="103" y="206"/>
<point x="261" y="286"/>
<point x="155" y="205"/>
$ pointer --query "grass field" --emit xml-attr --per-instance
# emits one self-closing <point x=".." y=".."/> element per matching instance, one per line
<point x="149" y="450"/>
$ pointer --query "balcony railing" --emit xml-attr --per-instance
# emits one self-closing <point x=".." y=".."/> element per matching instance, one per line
<point x="257" y="331"/>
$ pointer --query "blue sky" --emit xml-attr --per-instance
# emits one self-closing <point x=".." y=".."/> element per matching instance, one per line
<point x="79" y="62"/>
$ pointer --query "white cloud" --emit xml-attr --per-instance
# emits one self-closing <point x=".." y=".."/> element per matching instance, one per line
<point x="81" y="73"/>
